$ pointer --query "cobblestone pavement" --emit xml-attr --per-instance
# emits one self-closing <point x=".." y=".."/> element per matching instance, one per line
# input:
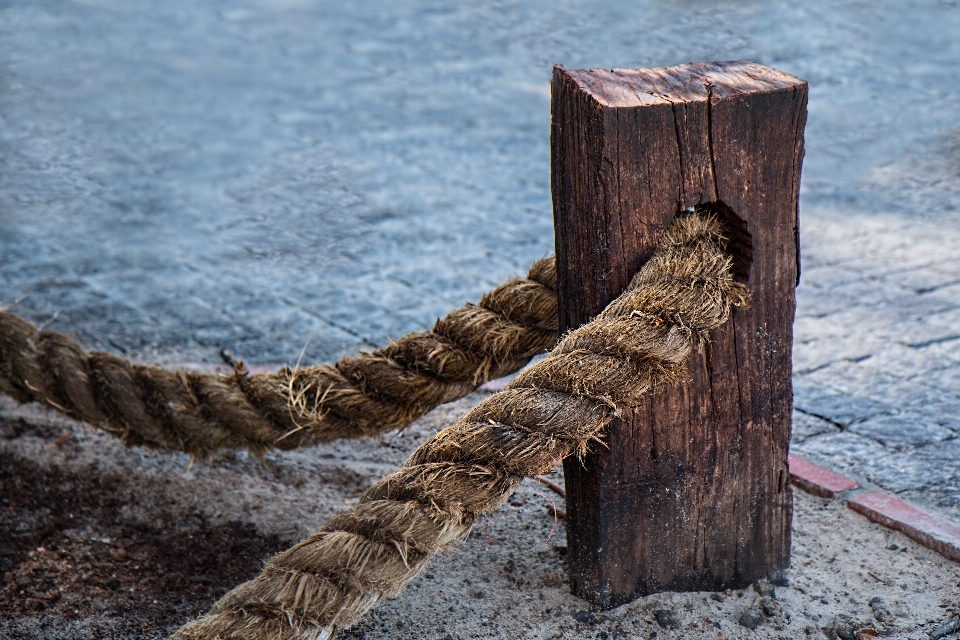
<point x="291" y="176"/>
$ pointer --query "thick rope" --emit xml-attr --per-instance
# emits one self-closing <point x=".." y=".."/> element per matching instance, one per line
<point x="358" y="396"/>
<point x="552" y="410"/>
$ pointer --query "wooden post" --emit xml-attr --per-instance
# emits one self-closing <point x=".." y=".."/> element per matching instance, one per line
<point x="692" y="491"/>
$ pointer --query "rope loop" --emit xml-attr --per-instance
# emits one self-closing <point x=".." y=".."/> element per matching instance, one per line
<point x="555" y="408"/>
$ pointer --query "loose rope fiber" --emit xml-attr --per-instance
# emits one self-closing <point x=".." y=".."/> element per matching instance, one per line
<point x="358" y="396"/>
<point x="552" y="410"/>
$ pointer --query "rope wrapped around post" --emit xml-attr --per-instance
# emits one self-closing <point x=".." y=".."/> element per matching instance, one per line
<point x="358" y="396"/>
<point x="550" y="411"/>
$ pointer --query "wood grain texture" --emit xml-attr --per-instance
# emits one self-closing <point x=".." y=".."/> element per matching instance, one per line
<point x="693" y="490"/>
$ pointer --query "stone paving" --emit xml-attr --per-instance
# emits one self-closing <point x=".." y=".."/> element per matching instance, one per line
<point x="877" y="353"/>
<point x="290" y="177"/>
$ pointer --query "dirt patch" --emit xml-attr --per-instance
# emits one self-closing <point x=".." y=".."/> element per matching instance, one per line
<point x="176" y="523"/>
<point x="69" y="553"/>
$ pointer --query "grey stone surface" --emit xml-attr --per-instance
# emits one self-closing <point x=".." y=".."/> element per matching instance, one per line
<point x="845" y="452"/>
<point x="807" y="426"/>
<point x="904" y="431"/>
<point x="298" y="177"/>
<point x="839" y="408"/>
<point x="882" y="365"/>
<point x="895" y="343"/>
<point x="905" y="472"/>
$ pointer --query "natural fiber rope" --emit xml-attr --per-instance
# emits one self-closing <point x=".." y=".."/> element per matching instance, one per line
<point x="358" y="396"/>
<point x="553" y="409"/>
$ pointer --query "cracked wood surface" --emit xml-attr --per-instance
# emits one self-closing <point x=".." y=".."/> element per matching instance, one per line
<point x="691" y="491"/>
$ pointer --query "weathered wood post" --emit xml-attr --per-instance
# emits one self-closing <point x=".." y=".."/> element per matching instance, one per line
<point x="692" y="491"/>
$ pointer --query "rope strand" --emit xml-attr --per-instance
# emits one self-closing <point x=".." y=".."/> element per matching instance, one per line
<point x="358" y="396"/>
<point x="553" y="409"/>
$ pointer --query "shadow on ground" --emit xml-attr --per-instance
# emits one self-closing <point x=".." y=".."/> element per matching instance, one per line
<point x="69" y="545"/>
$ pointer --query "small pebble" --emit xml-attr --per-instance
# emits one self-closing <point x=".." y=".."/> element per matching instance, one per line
<point x="880" y="611"/>
<point x="666" y="619"/>
<point x="846" y="627"/>
<point x="551" y="579"/>
<point x="948" y="627"/>
<point x="582" y="615"/>
<point x="765" y="588"/>
<point x="770" y="607"/>
<point x="883" y="615"/>
<point x="752" y="618"/>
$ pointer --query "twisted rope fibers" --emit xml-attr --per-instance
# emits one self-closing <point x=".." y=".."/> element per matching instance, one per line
<point x="357" y="396"/>
<point x="553" y="409"/>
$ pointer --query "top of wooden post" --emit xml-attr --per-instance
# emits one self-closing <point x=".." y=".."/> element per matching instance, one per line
<point x="689" y="82"/>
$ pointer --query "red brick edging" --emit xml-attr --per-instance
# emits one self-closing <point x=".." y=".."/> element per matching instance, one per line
<point x="932" y="532"/>
<point x="817" y="480"/>
<point x="929" y="530"/>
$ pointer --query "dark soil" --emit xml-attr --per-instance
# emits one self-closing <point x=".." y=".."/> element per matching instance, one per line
<point x="72" y="546"/>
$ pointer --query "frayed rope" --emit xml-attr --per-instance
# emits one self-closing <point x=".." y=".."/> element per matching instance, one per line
<point x="552" y="410"/>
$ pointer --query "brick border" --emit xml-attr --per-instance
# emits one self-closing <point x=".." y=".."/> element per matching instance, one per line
<point x="817" y="480"/>
<point x="929" y="530"/>
<point x="932" y="532"/>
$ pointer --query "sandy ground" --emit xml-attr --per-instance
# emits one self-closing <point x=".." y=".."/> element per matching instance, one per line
<point x="101" y="541"/>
